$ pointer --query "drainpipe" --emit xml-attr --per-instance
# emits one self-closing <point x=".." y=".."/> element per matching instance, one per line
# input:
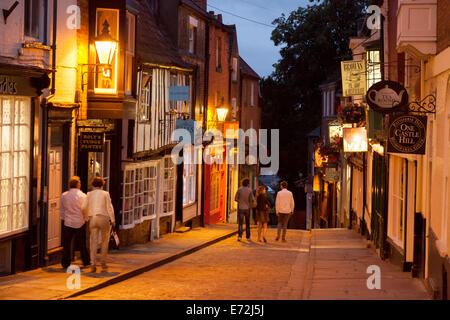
<point x="43" y="197"/>
<point x="205" y="118"/>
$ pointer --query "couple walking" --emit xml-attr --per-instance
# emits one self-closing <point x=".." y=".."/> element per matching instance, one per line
<point x="76" y="210"/>
<point x="284" y="207"/>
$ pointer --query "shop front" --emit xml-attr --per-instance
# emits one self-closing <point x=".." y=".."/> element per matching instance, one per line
<point x="20" y="89"/>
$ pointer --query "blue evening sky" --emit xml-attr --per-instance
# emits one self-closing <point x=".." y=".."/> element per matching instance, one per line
<point x="255" y="45"/>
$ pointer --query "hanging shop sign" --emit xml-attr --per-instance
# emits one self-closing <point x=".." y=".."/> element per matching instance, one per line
<point x="331" y="175"/>
<point x="355" y="139"/>
<point x="387" y="96"/>
<point x="407" y="134"/>
<point x="353" y="78"/>
<point x="92" y="141"/>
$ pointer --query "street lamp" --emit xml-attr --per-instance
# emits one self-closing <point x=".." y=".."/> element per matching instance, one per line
<point x="221" y="113"/>
<point x="105" y="45"/>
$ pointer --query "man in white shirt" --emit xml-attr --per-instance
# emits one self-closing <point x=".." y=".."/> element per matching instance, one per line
<point x="74" y="222"/>
<point x="284" y="207"/>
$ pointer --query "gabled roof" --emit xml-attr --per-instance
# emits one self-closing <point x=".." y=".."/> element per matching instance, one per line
<point x="247" y="70"/>
<point x="153" y="42"/>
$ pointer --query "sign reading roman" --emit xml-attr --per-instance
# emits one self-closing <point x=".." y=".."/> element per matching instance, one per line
<point x="387" y="96"/>
<point x="353" y="78"/>
<point x="407" y="134"/>
<point x="92" y="141"/>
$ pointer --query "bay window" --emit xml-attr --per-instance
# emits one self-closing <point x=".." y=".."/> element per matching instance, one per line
<point x="14" y="164"/>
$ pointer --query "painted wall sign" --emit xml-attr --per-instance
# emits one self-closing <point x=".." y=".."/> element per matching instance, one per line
<point x="387" y="96"/>
<point x="353" y="75"/>
<point x="179" y="93"/>
<point x="407" y="134"/>
<point x="92" y="141"/>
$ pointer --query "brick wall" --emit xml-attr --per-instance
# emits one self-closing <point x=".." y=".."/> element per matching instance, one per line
<point x="218" y="84"/>
<point x="250" y="113"/>
<point x="183" y="31"/>
<point x="443" y="25"/>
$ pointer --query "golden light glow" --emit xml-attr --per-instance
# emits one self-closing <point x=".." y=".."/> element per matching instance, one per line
<point x="316" y="183"/>
<point x="105" y="50"/>
<point x="337" y="130"/>
<point x="222" y="113"/>
<point x="378" y="148"/>
<point x="355" y="139"/>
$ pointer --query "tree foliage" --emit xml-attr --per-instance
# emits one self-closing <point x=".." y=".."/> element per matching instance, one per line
<point x="312" y="40"/>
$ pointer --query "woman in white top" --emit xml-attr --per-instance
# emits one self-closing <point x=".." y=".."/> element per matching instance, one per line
<point x="99" y="208"/>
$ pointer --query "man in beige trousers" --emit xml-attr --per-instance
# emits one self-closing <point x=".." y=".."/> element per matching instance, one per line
<point x="101" y="215"/>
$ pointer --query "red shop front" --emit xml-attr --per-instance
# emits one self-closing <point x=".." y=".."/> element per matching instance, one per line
<point x="215" y="184"/>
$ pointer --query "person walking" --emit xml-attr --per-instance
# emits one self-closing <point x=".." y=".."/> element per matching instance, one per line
<point x="244" y="197"/>
<point x="284" y="207"/>
<point x="262" y="212"/>
<point x="101" y="214"/>
<point x="74" y="222"/>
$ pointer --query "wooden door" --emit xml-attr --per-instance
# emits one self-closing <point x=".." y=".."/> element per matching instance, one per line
<point x="54" y="196"/>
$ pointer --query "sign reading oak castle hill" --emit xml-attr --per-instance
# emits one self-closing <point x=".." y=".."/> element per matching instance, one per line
<point x="407" y="134"/>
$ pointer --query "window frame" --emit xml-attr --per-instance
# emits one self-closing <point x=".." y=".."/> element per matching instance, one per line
<point x="130" y="52"/>
<point x="39" y="33"/>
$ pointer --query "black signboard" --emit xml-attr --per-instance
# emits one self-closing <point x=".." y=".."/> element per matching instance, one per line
<point x="407" y="134"/>
<point x="92" y="141"/>
<point x="387" y="96"/>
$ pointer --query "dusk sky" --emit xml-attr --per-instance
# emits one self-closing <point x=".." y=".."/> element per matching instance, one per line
<point x="255" y="45"/>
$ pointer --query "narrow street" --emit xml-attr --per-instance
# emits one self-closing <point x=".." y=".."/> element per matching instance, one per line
<point x="327" y="264"/>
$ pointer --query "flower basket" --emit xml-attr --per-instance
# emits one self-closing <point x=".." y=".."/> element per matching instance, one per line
<point x="352" y="113"/>
<point x="331" y="151"/>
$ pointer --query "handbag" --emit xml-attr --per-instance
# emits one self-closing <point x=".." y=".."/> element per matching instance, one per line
<point x="114" y="239"/>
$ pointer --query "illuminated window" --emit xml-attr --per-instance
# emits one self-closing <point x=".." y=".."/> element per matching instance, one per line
<point x="106" y="77"/>
<point x="14" y="164"/>
<point x="189" y="174"/>
<point x="168" y="186"/>
<point x="129" y="53"/>
<point x="373" y="67"/>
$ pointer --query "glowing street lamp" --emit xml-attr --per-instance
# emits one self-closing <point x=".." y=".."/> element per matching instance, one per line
<point x="222" y="113"/>
<point x="355" y="139"/>
<point x="105" y="45"/>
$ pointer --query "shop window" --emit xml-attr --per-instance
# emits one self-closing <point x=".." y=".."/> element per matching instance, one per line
<point x="14" y="164"/>
<point x="33" y="19"/>
<point x="168" y="186"/>
<point x="106" y="77"/>
<point x="189" y="175"/>
<point x="129" y="53"/>
<point x="397" y="192"/>
<point x="139" y="193"/>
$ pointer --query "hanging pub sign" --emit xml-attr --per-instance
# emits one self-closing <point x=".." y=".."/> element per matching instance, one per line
<point x="92" y="141"/>
<point x="387" y="96"/>
<point x="407" y="134"/>
<point x="353" y="75"/>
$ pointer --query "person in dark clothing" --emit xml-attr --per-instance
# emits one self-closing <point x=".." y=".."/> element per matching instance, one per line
<point x="74" y="222"/>
<point x="262" y="212"/>
<point x="244" y="198"/>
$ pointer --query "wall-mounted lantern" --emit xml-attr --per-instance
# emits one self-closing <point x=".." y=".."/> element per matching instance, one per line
<point x="105" y="45"/>
<point x="355" y="139"/>
<point x="222" y="113"/>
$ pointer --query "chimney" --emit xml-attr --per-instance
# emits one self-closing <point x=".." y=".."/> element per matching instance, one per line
<point x="219" y="17"/>
<point x="201" y="3"/>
